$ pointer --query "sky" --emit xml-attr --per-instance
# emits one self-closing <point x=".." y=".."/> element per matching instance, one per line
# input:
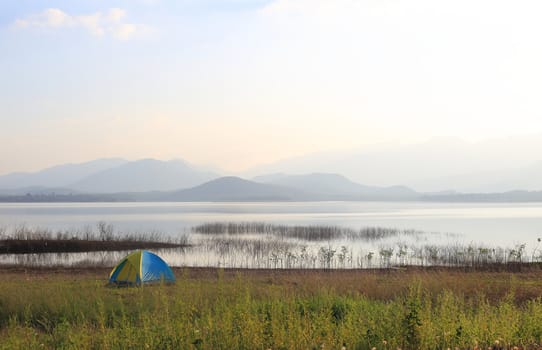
<point x="237" y="83"/>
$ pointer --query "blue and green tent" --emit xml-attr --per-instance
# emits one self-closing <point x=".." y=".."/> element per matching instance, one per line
<point x="141" y="267"/>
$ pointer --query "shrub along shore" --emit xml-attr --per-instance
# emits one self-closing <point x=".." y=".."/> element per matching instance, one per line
<point x="26" y="246"/>
<point x="413" y="308"/>
<point x="28" y="240"/>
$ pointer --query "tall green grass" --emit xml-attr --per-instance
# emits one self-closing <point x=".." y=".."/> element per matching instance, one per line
<point x="242" y="312"/>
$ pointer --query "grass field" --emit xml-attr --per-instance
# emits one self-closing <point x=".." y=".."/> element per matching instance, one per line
<point x="273" y="309"/>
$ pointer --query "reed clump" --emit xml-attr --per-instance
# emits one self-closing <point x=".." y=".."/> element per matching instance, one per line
<point x="307" y="233"/>
<point x="24" y="240"/>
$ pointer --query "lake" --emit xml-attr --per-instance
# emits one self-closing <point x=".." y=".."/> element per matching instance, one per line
<point x="505" y="225"/>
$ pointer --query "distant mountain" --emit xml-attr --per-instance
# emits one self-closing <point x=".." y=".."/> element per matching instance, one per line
<point x="38" y="190"/>
<point x="527" y="177"/>
<point x="436" y="165"/>
<point x="335" y="186"/>
<point x="231" y="188"/>
<point x="270" y="178"/>
<point x="57" y="176"/>
<point x="63" y="198"/>
<point x="502" y="197"/>
<point x="143" y="175"/>
<point x="287" y="187"/>
<point x="311" y="187"/>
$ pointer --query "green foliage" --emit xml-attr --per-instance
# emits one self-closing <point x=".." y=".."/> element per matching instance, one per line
<point x="237" y="313"/>
<point x="412" y="319"/>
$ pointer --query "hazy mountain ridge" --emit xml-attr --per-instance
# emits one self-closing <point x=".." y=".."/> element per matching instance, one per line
<point x="440" y="164"/>
<point x="144" y="175"/>
<point x="499" y="197"/>
<point x="38" y="190"/>
<point x="232" y="188"/>
<point x="59" y="176"/>
<point x="336" y="186"/>
<point x="155" y="180"/>
<point x="310" y="187"/>
<point x="106" y="176"/>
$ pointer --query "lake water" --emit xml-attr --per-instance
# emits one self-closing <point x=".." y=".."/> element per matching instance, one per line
<point x="494" y="225"/>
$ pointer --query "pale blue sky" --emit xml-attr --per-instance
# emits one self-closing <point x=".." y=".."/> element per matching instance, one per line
<point x="235" y="83"/>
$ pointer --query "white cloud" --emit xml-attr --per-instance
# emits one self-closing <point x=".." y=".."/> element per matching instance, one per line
<point x="97" y="24"/>
<point x="54" y="18"/>
<point x="92" y="23"/>
<point x="124" y="31"/>
<point x="116" y="14"/>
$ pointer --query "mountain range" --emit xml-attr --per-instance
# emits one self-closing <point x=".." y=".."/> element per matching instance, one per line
<point x="176" y="180"/>
<point x="143" y="175"/>
<point x="335" y="186"/>
<point x="57" y="176"/>
<point x="117" y="179"/>
<point x="107" y="176"/>
<point x="439" y="164"/>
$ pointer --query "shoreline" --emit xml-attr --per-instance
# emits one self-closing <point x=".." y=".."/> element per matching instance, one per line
<point x="37" y="246"/>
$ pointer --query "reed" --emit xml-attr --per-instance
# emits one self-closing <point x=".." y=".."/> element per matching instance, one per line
<point x="262" y="245"/>
<point x="24" y="240"/>
<point x="307" y="233"/>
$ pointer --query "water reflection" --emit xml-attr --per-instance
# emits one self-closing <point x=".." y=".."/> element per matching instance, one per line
<point x="504" y="224"/>
<point x="84" y="259"/>
<point x="296" y="248"/>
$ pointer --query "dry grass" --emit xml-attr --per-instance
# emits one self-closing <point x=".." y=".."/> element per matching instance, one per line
<point x="414" y="308"/>
<point x="380" y="284"/>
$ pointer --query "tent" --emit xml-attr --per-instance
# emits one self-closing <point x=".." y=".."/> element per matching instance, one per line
<point x="141" y="267"/>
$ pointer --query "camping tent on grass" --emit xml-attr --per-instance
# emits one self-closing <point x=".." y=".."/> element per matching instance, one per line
<point x="141" y="267"/>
